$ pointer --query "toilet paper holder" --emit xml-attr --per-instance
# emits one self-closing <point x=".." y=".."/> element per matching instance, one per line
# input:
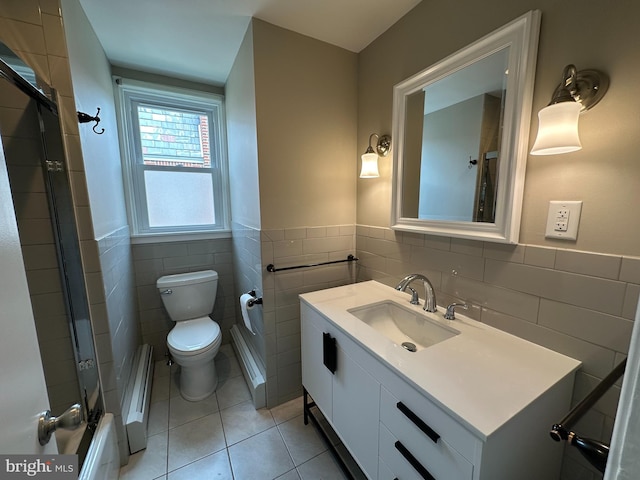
<point x="255" y="301"/>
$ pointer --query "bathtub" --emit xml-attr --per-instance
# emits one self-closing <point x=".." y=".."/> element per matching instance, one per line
<point x="103" y="458"/>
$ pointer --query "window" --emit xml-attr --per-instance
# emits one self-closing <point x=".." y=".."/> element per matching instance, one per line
<point x="174" y="153"/>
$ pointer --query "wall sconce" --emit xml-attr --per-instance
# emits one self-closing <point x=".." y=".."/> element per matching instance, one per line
<point x="558" y="122"/>
<point x="370" y="157"/>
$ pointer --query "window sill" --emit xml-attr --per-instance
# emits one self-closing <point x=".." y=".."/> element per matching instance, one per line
<point x="179" y="237"/>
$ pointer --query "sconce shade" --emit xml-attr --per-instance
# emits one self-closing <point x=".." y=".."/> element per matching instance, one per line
<point x="558" y="123"/>
<point x="558" y="129"/>
<point x="370" y="157"/>
<point x="369" y="165"/>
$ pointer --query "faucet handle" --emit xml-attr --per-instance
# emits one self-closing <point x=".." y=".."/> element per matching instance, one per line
<point x="414" y="296"/>
<point x="450" y="314"/>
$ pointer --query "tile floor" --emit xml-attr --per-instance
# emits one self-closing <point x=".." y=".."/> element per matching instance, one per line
<point x="224" y="436"/>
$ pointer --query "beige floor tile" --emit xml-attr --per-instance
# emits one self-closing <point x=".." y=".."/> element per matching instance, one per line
<point x="174" y="381"/>
<point x="232" y="392"/>
<point x="195" y="440"/>
<point x="263" y="456"/>
<point x="150" y="463"/>
<point x="290" y="475"/>
<point x="187" y="439"/>
<point x="287" y="410"/>
<point x="243" y="420"/>
<point x="158" y="417"/>
<point x="161" y="369"/>
<point x="213" y="466"/>
<point x="227" y="364"/>
<point x="160" y="388"/>
<point x="182" y="411"/>
<point x="302" y="441"/>
<point x="322" y="467"/>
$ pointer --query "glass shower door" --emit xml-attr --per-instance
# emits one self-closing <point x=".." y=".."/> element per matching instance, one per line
<point x="32" y="140"/>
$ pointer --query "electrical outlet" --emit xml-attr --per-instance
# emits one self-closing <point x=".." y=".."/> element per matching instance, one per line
<point x="563" y="219"/>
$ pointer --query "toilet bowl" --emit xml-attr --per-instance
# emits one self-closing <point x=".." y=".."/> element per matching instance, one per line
<point x="195" y="339"/>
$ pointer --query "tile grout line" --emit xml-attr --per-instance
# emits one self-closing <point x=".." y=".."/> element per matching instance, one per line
<point x="224" y="435"/>
<point x="293" y="462"/>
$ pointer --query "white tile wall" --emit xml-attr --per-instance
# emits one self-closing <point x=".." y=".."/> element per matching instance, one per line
<point x="151" y="261"/>
<point x="291" y="247"/>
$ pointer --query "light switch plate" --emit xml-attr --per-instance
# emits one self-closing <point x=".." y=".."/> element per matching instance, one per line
<point x="563" y="219"/>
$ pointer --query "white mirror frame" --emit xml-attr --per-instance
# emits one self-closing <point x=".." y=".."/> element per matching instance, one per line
<point x="521" y="35"/>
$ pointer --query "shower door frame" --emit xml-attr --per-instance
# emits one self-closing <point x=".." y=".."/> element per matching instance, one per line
<point x="66" y="239"/>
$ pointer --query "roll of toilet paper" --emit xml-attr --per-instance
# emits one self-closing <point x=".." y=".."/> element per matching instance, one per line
<point x="245" y="298"/>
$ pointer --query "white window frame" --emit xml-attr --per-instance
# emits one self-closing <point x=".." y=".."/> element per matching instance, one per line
<point x="128" y="93"/>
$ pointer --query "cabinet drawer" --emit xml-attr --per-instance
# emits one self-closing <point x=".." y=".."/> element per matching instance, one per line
<point x="409" y="461"/>
<point x="414" y="420"/>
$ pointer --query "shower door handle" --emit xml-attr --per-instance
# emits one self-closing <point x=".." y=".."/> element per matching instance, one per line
<point x="69" y="420"/>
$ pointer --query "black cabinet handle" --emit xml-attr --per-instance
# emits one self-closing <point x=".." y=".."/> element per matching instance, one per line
<point x="424" y="473"/>
<point x="329" y="352"/>
<point x="428" y="431"/>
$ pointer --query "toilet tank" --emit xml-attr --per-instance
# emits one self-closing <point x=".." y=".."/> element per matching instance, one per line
<point x="188" y="295"/>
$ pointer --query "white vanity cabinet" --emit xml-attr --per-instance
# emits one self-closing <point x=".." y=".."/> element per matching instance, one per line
<point x="348" y="397"/>
<point x="435" y="414"/>
<point x="365" y="415"/>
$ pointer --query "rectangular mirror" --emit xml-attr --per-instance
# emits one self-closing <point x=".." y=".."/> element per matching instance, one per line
<point x="463" y="130"/>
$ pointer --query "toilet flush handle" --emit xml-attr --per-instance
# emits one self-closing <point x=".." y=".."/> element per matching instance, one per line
<point x="168" y="291"/>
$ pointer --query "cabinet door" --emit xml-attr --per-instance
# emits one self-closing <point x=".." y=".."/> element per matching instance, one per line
<point x="356" y="409"/>
<point x="316" y="378"/>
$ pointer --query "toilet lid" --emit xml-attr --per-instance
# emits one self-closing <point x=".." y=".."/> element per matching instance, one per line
<point x="193" y="335"/>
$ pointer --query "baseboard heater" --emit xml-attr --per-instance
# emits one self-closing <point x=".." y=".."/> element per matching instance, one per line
<point x="137" y="416"/>
<point x="252" y="375"/>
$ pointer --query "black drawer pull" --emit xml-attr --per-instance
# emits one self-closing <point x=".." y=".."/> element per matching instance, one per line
<point x="424" y="473"/>
<point x="429" y="432"/>
<point x="329" y="352"/>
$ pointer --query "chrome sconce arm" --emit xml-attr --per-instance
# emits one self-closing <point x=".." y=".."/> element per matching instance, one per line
<point x="586" y="87"/>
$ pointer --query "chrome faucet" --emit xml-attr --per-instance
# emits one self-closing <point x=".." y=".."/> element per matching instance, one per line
<point x="450" y="314"/>
<point x="429" y="292"/>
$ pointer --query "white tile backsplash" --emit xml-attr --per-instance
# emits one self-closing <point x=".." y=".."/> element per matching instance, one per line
<point x="501" y="299"/>
<point x="597" y="265"/>
<point x="599" y="328"/>
<point x="499" y="251"/>
<point x="540" y="256"/>
<point x="630" y="270"/>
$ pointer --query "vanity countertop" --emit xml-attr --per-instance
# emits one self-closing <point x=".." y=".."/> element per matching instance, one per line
<point x="483" y="376"/>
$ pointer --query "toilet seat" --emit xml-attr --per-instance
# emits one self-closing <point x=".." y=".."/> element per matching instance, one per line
<point x="193" y="337"/>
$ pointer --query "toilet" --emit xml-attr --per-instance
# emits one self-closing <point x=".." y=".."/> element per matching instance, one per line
<point x="195" y="339"/>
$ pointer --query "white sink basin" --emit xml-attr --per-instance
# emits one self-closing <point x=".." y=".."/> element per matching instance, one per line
<point x="402" y="325"/>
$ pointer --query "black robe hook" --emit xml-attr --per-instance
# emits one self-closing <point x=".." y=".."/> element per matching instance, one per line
<point x="85" y="118"/>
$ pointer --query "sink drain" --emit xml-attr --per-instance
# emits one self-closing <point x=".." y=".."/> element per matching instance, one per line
<point x="409" y="346"/>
